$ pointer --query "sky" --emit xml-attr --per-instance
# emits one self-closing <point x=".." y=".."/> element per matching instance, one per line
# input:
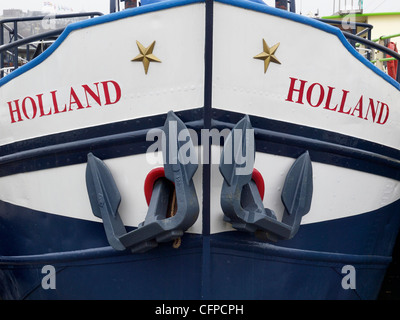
<point x="323" y="7"/>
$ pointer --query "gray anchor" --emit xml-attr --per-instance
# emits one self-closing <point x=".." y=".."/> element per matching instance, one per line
<point x="240" y="199"/>
<point x="158" y="226"/>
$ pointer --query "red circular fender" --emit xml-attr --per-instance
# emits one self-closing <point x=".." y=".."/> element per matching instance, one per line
<point x="151" y="178"/>
<point x="259" y="180"/>
<point x="158" y="173"/>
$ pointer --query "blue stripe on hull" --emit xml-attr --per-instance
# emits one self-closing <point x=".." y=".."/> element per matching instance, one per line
<point x="129" y="138"/>
<point x="230" y="265"/>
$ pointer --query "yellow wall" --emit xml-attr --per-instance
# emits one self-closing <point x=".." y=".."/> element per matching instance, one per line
<point x="384" y="26"/>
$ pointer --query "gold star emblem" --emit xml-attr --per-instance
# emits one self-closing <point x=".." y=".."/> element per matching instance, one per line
<point x="146" y="55"/>
<point x="268" y="55"/>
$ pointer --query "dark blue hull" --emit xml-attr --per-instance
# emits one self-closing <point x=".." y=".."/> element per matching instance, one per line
<point x="230" y="265"/>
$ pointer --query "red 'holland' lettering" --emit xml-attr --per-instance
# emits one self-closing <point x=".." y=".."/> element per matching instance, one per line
<point x="102" y="93"/>
<point x="319" y="95"/>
